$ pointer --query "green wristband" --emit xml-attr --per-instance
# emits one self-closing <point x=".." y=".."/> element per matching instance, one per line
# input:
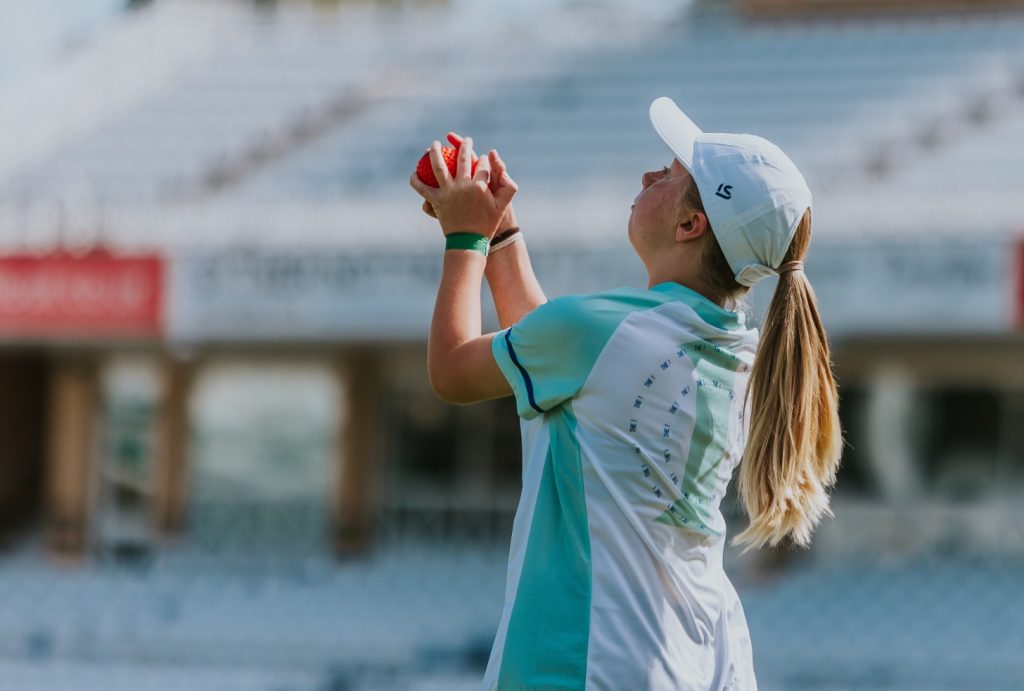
<point x="467" y="241"/>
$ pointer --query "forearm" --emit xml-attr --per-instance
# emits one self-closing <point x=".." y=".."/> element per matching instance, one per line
<point x="459" y="361"/>
<point x="513" y="284"/>
<point x="456" y="318"/>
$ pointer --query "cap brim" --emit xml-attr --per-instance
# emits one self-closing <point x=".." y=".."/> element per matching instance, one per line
<point x="675" y="129"/>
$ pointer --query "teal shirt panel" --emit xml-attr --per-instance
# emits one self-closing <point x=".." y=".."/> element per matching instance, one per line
<point x="549" y="354"/>
<point x="549" y="628"/>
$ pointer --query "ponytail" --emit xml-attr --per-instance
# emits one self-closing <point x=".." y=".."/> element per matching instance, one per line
<point x="795" y="440"/>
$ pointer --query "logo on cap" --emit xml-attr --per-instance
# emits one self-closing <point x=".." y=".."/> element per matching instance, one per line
<point x="724" y="191"/>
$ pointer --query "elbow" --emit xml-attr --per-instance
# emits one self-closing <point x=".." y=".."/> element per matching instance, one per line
<point x="443" y="391"/>
<point x="452" y="396"/>
<point x="447" y="387"/>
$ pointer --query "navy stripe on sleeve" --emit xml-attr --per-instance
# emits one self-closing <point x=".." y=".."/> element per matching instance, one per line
<point x="522" y="371"/>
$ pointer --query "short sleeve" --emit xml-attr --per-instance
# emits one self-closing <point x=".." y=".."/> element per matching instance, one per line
<point x="539" y="356"/>
<point x="547" y="357"/>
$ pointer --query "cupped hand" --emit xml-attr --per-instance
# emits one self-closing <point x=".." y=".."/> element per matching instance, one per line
<point x="499" y="177"/>
<point x="466" y="202"/>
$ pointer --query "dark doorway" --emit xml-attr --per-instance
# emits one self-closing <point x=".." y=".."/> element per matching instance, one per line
<point x="23" y="386"/>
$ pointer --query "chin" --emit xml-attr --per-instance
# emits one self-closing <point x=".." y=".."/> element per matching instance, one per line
<point x="632" y="238"/>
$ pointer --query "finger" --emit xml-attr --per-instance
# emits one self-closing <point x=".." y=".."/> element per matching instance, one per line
<point x="483" y="171"/>
<point x="503" y="195"/>
<point x="426" y="191"/>
<point x="438" y="164"/>
<point x="465" y="160"/>
<point x="429" y="210"/>
<point x="501" y="177"/>
<point x="497" y="165"/>
<point x="454" y="139"/>
<point x="498" y="169"/>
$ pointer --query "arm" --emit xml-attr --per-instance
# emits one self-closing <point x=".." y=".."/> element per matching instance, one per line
<point x="459" y="360"/>
<point x="514" y="286"/>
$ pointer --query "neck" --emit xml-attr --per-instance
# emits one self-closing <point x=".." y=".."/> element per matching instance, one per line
<point x="683" y="278"/>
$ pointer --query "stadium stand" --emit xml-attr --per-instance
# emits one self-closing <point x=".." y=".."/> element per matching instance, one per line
<point x="267" y="83"/>
<point x="831" y="93"/>
<point x="306" y="625"/>
<point x="287" y="109"/>
<point x="123" y="64"/>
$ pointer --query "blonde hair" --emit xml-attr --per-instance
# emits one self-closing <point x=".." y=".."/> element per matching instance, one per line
<point x="795" y="440"/>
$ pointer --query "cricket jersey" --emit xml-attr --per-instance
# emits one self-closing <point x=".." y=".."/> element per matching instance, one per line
<point x="633" y="422"/>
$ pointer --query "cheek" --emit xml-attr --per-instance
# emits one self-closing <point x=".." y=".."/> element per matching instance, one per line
<point x="647" y="214"/>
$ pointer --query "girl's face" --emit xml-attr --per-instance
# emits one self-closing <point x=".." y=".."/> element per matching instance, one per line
<point x="655" y="211"/>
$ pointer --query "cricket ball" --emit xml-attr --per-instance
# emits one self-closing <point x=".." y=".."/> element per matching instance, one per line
<point x="425" y="171"/>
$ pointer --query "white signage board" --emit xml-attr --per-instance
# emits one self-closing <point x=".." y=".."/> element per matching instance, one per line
<point x="902" y="288"/>
<point x="887" y="288"/>
<point x="246" y="295"/>
<point x="300" y="296"/>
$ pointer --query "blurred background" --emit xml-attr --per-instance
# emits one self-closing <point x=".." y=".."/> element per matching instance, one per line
<point x="221" y="465"/>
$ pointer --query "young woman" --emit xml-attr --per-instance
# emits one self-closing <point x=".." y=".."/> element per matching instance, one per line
<point x="637" y="406"/>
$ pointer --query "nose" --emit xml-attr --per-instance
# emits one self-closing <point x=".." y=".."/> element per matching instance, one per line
<point x="648" y="178"/>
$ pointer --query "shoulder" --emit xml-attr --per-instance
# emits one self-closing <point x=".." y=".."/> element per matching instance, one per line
<point x="577" y="327"/>
<point x="549" y="354"/>
<point x="595" y="311"/>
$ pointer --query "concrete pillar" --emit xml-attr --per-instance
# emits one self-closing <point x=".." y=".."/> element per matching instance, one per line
<point x="893" y="429"/>
<point x="360" y="452"/>
<point x="73" y="398"/>
<point x="173" y="434"/>
<point x="1012" y="444"/>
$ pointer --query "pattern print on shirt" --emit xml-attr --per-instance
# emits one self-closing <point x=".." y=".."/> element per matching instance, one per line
<point x="715" y="371"/>
<point x="696" y="479"/>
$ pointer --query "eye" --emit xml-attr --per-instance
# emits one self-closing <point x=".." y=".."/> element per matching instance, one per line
<point x="665" y="170"/>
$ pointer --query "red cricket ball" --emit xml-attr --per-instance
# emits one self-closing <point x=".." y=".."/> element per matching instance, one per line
<point x="425" y="171"/>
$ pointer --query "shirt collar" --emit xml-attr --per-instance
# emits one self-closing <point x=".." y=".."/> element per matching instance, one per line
<point x="705" y="308"/>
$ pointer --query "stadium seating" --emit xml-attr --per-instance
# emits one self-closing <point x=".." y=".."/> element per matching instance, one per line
<point x="408" y="607"/>
<point x="831" y="93"/>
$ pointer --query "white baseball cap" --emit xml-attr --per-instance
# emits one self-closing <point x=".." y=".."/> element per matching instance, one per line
<point x="753" y="194"/>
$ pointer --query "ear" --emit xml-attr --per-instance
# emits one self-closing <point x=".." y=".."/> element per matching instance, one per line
<point x="691" y="226"/>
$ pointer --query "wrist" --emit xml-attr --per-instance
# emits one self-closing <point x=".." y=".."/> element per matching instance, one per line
<point x="472" y="242"/>
<point x="505" y="238"/>
<point x="508" y="220"/>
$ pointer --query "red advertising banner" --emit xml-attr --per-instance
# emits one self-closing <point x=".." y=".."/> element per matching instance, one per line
<point x="96" y="295"/>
